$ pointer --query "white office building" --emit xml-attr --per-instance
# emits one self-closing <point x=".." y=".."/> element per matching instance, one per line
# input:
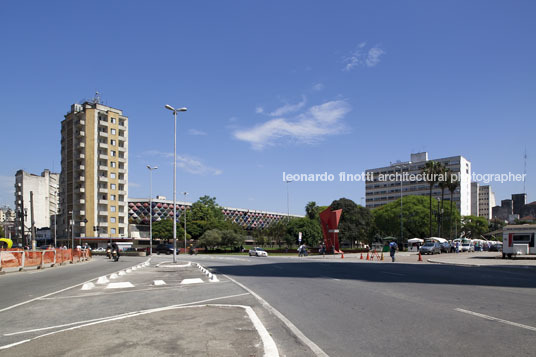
<point x="45" y="197"/>
<point x="482" y="200"/>
<point x="386" y="186"/>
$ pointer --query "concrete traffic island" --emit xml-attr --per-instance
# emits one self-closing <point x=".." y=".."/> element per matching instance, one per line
<point x="204" y="330"/>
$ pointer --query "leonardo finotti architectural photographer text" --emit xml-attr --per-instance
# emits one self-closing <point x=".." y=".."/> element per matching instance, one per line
<point x="397" y="177"/>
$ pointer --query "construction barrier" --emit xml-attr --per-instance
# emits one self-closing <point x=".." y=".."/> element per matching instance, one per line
<point x="18" y="258"/>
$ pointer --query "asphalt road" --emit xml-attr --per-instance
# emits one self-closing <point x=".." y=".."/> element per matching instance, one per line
<point x="22" y="286"/>
<point x="347" y="307"/>
<point x="351" y="308"/>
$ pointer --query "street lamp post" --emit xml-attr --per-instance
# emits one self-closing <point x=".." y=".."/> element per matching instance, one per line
<point x="151" y="208"/>
<point x="401" y="205"/>
<point x="288" y="201"/>
<point x="185" y="194"/>
<point x="167" y="106"/>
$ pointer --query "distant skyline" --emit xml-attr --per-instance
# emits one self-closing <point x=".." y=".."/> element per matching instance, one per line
<point x="273" y="87"/>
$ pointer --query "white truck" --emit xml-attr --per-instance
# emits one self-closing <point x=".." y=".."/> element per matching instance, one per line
<point x="519" y="240"/>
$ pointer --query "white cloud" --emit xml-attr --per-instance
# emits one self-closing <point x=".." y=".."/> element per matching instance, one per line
<point x="308" y="127"/>
<point x="288" y="108"/>
<point x="196" y="132"/>
<point x="373" y="56"/>
<point x="259" y="110"/>
<point x="187" y="163"/>
<point x="362" y="57"/>
<point x="318" y="86"/>
<point x="133" y="184"/>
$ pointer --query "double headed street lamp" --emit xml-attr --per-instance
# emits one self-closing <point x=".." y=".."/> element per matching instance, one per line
<point x="151" y="208"/>
<point x="175" y="178"/>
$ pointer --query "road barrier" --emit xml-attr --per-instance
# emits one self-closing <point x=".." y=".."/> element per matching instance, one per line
<point x="14" y="259"/>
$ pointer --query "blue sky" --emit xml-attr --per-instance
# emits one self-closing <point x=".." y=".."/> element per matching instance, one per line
<point x="273" y="87"/>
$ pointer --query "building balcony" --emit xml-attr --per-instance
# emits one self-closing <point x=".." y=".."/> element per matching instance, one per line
<point x="103" y="224"/>
<point x="103" y="190"/>
<point x="122" y="159"/>
<point x="122" y="171"/>
<point x="103" y="202"/>
<point x="103" y="134"/>
<point x="103" y="145"/>
<point x="81" y="144"/>
<point x="103" y="213"/>
<point x="122" y="182"/>
<point x="82" y="156"/>
<point x="80" y="189"/>
<point x="103" y="122"/>
<point x="82" y="201"/>
<point x="103" y="168"/>
<point x="81" y="167"/>
<point x="122" y="149"/>
<point x="81" y="178"/>
<point x="103" y="156"/>
<point x="81" y="122"/>
<point x="81" y="133"/>
<point x="103" y="179"/>
<point x="82" y="213"/>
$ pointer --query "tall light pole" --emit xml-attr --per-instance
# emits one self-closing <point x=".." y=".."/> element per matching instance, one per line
<point x="175" y="178"/>
<point x="288" y="201"/>
<point x="151" y="207"/>
<point x="401" y="224"/>
<point x="185" y="194"/>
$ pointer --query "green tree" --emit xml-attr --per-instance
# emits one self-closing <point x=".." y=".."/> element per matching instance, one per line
<point x="163" y="229"/>
<point x="310" y="229"/>
<point x="430" y="171"/>
<point x="356" y="221"/>
<point x="473" y="227"/>
<point x="414" y="218"/>
<point x="312" y="210"/>
<point x="496" y="224"/>
<point x="276" y="232"/>
<point x="232" y="239"/>
<point x="452" y="185"/>
<point x="211" y="239"/>
<point x="2" y="234"/>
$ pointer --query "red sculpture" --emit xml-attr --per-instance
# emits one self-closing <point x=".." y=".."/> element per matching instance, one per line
<point x="330" y="227"/>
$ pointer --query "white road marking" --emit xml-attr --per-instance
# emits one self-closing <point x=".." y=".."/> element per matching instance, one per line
<point x="313" y="346"/>
<point x="88" y="286"/>
<point x="122" y="285"/>
<point x="491" y="318"/>
<point x="192" y="281"/>
<point x="159" y="282"/>
<point x="110" y="318"/>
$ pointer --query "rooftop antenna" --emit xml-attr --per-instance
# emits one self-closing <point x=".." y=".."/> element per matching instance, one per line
<point x="97" y="98"/>
<point x="524" y="170"/>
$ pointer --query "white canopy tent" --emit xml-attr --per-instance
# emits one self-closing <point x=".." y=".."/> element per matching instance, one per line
<point x="414" y="244"/>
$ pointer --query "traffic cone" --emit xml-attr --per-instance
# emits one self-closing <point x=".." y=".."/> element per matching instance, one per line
<point x="368" y="256"/>
<point x="342" y="254"/>
<point x="420" y="257"/>
<point x="361" y="256"/>
<point x="382" y="256"/>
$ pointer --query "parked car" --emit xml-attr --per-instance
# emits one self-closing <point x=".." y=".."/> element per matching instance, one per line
<point x="258" y="252"/>
<point x="445" y="247"/>
<point x="430" y="248"/>
<point x="467" y="247"/>
<point x="496" y="247"/>
<point x="165" y="248"/>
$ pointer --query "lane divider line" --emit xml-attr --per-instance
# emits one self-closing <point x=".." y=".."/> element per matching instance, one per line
<point x="491" y="318"/>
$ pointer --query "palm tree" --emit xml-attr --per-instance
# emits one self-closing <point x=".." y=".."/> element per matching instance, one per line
<point x="452" y="185"/>
<point x="430" y="170"/>
<point x="443" y="184"/>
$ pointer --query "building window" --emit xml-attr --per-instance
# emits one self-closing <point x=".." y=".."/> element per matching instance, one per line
<point x="112" y="197"/>
<point x="112" y="219"/>
<point x="113" y="208"/>
<point x="113" y="131"/>
<point x="112" y="231"/>
<point x="112" y="186"/>
<point x="113" y="142"/>
<point x="113" y="120"/>
<point x="112" y="175"/>
<point x="112" y="153"/>
<point x="112" y="163"/>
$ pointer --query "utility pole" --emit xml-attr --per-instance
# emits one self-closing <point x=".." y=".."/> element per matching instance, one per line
<point x="32" y="220"/>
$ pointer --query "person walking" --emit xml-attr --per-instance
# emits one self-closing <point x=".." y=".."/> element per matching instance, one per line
<point x="392" y="248"/>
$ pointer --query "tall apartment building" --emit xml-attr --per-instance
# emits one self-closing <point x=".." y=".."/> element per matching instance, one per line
<point x="45" y="199"/>
<point x="379" y="193"/>
<point x="482" y="200"/>
<point x="94" y="171"/>
<point x="518" y="201"/>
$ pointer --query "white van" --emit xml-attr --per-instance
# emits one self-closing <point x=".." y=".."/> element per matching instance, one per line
<point x="519" y="240"/>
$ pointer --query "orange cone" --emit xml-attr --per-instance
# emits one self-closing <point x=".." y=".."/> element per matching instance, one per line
<point x="361" y="256"/>
<point x="368" y="256"/>
<point x="342" y="254"/>
<point x="420" y="257"/>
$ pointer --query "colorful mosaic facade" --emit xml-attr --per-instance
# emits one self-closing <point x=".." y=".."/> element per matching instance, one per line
<point x="139" y="212"/>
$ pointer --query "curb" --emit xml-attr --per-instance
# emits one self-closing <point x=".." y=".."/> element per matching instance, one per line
<point x="481" y="265"/>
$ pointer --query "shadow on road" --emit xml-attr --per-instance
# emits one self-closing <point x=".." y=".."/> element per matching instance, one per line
<point x="497" y="276"/>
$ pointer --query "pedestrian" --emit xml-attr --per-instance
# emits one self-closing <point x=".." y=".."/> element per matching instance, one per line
<point x="392" y="248"/>
<point x="300" y="250"/>
<point x="457" y="246"/>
